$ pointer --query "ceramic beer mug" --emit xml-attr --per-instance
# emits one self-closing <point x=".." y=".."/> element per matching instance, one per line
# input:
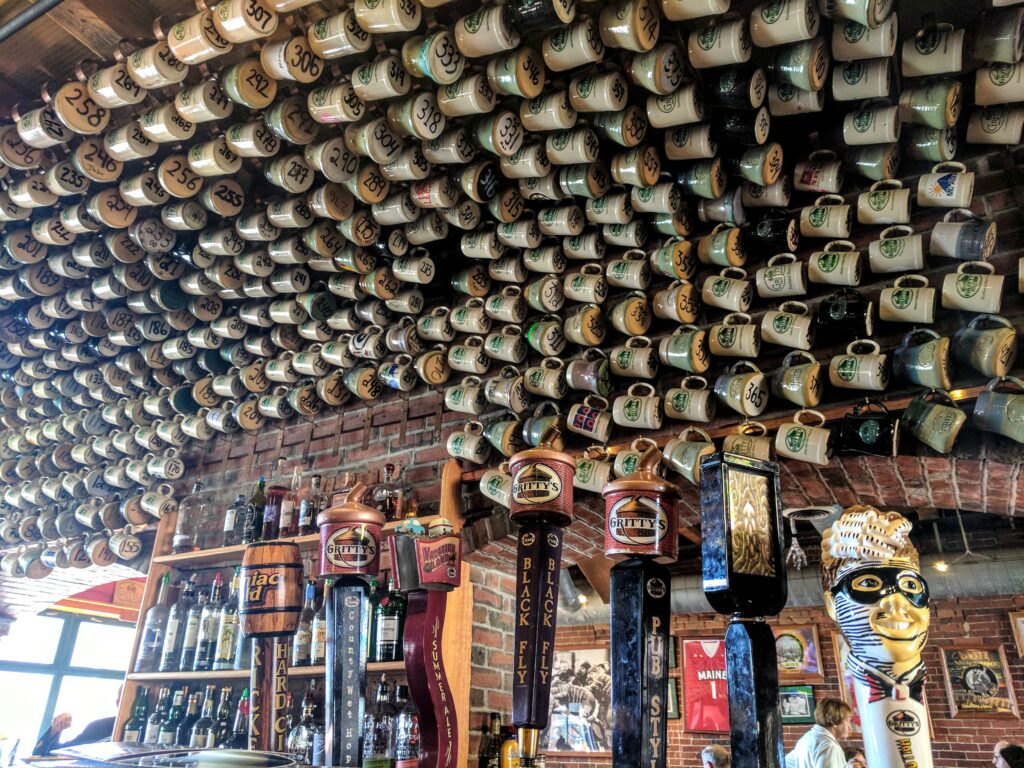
<point x="988" y="344"/>
<point x="592" y="471"/>
<point x="692" y="400"/>
<point x="974" y="287"/>
<point x="730" y="290"/>
<point x="584" y="325"/>
<point x="631" y="271"/>
<point x="627" y="461"/>
<point x="736" y="336"/>
<point x="723" y="247"/>
<point x="840" y="263"/>
<point x="862" y="367"/>
<point x="639" y="408"/>
<point x="963" y="235"/>
<point x="469" y="356"/>
<point x="791" y="325"/>
<point x="678" y="301"/>
<point x="784" y="276"/>
<point x="545" y="416"/>
<point x="496" y="484"/>
<point x="750" y="439"/>
<point x="504" y="436"/>
<point x="683" y="453"/>
<point x="675" y="259"/>
<point x="885" y="202"/>
<point x="743" y="388"/>
<point x="1000" y="408"/>
<point x="636" y="359"/>
<point x="909" y="300"/>
<point x="589" y="373"/>
<point x="588" y="286"/>
<point x="898" y="249"/>
<point x="869" y="429"/>
<point x="592" y="418"/>
<point x="631" y="316"/>
<point x="686" y="349"/>
<point x="806" y="438"/>
<point x="507" y="390"/>
<point x="934" y="419"/>
<point x="821" y="172"/>
<point x="469" y="444"/>
<point x="949" y="185"/>
<point x="799" y="380"/>
<point x="923" y="358"/>
<point x="829" y="217"/>
<point x="466" y="396"/>
<point x="549" y="378"/>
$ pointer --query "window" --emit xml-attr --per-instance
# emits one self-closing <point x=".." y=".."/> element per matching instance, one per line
<point x="59" y="664"/>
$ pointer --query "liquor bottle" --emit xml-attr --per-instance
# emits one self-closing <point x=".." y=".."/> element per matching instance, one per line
<point x="234" y="522"/>
<point x="204" y="730"/>
<point x="191" y="641"/>
<point x="379" y="729"/>
<point x="302" y="640"/>
<point x="243" y="651"/>
<point x="254" y="514"/>
<point x="390" y="621"/>
<point x="174" y="634"/>
<point x="183" y="734"/>
<point x="318" y="631"/>
<point x="223" y="726"/>
<point x="342" y="487"/>
<point x="208" y="626"/>
<point x="240" y="730"/>
<point x="153" y="629"/>
<point x="311" y="502"/>
<point x="510" y="754"/>
<point x="157" y="718"/>
<point x="306" y="739"/>
<point x="373" y="599"/>
<point x="191" y="513"/>
<point x="169" y="726"/>
<point x="490" y="746"/>
<point x="135" y="728"/>
<point x="289" y="518"/>
<point x="227" y="627"/>
<point x="388" y="494"/>
<point x="275" y="494"/>
<point x="407" y="730"/>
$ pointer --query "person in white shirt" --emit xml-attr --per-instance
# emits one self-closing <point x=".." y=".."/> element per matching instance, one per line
<point x="714" y="756"/>
<point x="820" y="747"/>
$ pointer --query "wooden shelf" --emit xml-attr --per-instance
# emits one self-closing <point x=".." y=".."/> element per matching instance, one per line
<point x="385" y="666"/>
<point x="226" y="555"/>
<point x="226" y="674"/>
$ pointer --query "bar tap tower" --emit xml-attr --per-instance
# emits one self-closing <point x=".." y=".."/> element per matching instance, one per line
<point x="642" y="532"/>
<point x="350" y="541"/>
<point x="541" y="505"/>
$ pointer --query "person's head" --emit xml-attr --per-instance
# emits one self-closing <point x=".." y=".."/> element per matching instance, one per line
<point x="1009" y="756"/>
<point x="854" y="757"/>
<point x="834" y="714"/>
<point x="714" y="756"/>
<point x="873" y="586"/>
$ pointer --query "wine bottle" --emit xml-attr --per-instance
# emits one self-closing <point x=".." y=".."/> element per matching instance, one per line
<point x="318" y="631"/>
<point x="191" y="641"/>
<point x="227" y="629"/>
<point x="204" y="729"/>
<point x="183" y="734"/>
<point x="390" y="623"/>
<point x="135" y="728"/>
<point x="378" y="730"/>
<point x="240" y="730"/>
<point x="311" y="502"/>
<point x="234" y="522"/>
<point x="156" y="719"/>
<point x="303" y="638"/>
<point x="169" y="726"/>
<point x="288" y="517"/>
<point x="208" y="626"/>
<point x="223" y="718"/>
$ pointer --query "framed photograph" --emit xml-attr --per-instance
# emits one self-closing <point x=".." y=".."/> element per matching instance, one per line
<point x="1017" y="627"/>
<point x="672" y="652"/>
<point x="796" y="704"/>
<point x="846" y="682"/>
<point x="580" y="709"/>
<point x="799" y="653"/>
<point x="672" y="713"/>
<point x="705" y="687"/>
<point x="978" y="682"/>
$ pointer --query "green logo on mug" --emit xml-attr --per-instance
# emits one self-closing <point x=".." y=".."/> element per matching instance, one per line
<point x="869" y="432"/>
<point x="847" y="368"/>
<point x="891" y="247"/>
<point x="1000" y="74"/>
<point x="365" y="75"/>
<point x="577" y="282"/>
<point x="456" y="395"/>
<point x="372" y="3"/>
<point x="863" y="120"/>
<point x="771" y="12"/>
<point x="494" y="485"/>
<point x="720" y="286"/>
<point x="457" y="442"/>
<point x="586" y="86"/>
<point x="854" y="72"/>
<point x="631" y="410"/>
<point x="927" y="43"/>
<point x="878" y="199"/>
<point x="559" y="39"/>
<point x="473" y="22"/>
<point x="852" y="31"/>
<point x="818" y="215"/>
<point x="782" y="322"/>
<point x="560" y="140"/>
<point x="644" y="193"/>
<point x="707" y="37"/>
<point x="681" y="401"/>
<point x="535" y="377"/>
<point x="629" y="464"/>
<point x="827" y="262"/>
<point x="624" y="358"/>
<point x="320" y="29"/>
<point x="786" y="92"/>
<point x="727" y="336"/>
<point x="968" y="285"/>
<point x="796" y="439"/>
<point x="584" y="470"/>
<point x="536" y="105"/>
<point x="901" y="298"/>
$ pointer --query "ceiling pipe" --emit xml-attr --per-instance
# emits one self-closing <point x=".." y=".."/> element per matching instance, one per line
<point x="22" y="19"/>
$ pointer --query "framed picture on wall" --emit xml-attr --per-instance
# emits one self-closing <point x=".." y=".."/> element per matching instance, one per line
<point x="580" y="708"/>
<point x="846" y="682"/>
<point x="799" y="653"/>
<point x="705" y="687"/>
<point x="672" y="711"/>
<point x="796" y="704"/>
<point x="1017" y="627"/>
<point x="978" y="682"/>
<point x="672" y="652"/>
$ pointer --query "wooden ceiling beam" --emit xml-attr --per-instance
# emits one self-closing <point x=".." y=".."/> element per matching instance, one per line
<point x="87" y="27"/>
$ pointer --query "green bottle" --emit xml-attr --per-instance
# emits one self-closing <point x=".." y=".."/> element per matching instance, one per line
<point x="254" y="514"/>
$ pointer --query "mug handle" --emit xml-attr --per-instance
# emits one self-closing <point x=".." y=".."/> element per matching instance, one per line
<point x="874" y="345"/>
<point x="732" y="272"/>
<point x="642" y="384"/>
<point x="791" y="258"/>
<point x="962" y="214"/>
<point x="921" y="280"/>
<point x="917" y="332"/>
<point x="799" y="415"/>
<point x="903" y="229"/>
<point x="848" y="245"/>
<point x="732" y="317"/>
<point x="830" y="199"/>
<point x="642" y="444"/>
<point x="1001" y="380"/>
<point x="684" y="384"/>
<point x="859" y="408"/>
<point x="744" y="428"/>
<point x="796" y="304"/>
<point x="683" y="435"/>
<point x="982" y="265"/>
<point x="886" y="184"/>
<point x="949" y="165"/>
<point x="798" y="353"/>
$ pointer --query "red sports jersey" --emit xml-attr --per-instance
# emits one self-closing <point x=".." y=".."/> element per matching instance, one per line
<point x="705" y="688"/>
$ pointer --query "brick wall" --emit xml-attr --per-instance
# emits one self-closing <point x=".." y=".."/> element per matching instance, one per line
<point x="958" y="743"/>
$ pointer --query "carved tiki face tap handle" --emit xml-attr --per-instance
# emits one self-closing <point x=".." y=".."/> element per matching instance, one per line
<point x="350" y="541"/>
<point x="874" y="590"/>
<point x="641" y="532"/>
<point x="541" y="504"/>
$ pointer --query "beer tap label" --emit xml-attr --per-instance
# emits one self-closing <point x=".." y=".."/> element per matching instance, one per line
<point x="641" y="524"/>
<point x="349" y="549"/>
<point x="535" y="483"/>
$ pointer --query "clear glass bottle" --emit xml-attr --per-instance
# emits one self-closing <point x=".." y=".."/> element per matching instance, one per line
<point x="234" y="522"/>
<point x="223" y="718"/>
<point x="227" y="627"/>
<point x="318" y="632"/>
<point x="306" y="738"/>
<point x="204" y="730"/>
<point x="191" y="641"/>
<point x="153" y="628"/>
<point x="191" y="514"/>
<point x="302" y="640"/>
<point x="389" y="493"/>
<point x="174" y="634"/>
<point x="379" y="729"/>
<point x="407" y="730"/>
<point x="311" y="502"/>
<point x="209" y="623"/>
<point x="289" y="515"/>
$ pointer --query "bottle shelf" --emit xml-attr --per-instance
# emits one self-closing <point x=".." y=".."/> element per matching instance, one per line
<point x="226" y="674"/>
<point x="385" y="666"/>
